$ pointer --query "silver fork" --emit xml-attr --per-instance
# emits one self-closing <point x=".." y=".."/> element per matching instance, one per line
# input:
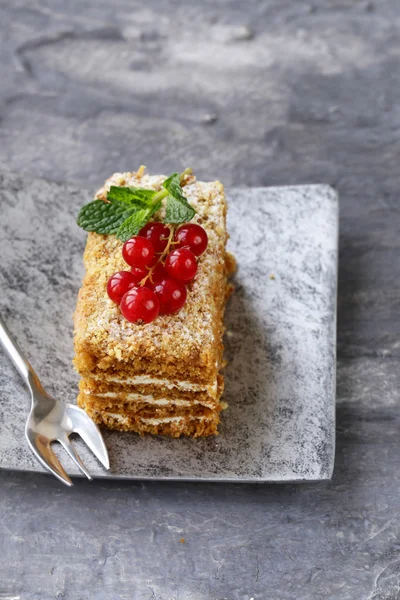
<point x="51" y="420"/>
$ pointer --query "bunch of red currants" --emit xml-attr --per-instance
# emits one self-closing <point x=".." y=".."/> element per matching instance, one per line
<point x="162" y="263"/>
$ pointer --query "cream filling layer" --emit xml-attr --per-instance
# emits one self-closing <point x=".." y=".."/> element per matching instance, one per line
<point x="186" y="386"/>
<point x="149" y="399"/>
<point x="159" y="421"/>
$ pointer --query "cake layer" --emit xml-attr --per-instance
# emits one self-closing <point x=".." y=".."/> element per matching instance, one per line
<point x="143" y="408"/>
<point x="110" y="398"/>
<point x="170" y="426"/>
<point x="152" y="393"/>
<point x="186" y="346"/>
<point x="152" y="384"/>
<point x="196" y="376"/>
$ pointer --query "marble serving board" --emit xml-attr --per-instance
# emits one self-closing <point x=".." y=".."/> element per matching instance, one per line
<point x="280" y="339"/>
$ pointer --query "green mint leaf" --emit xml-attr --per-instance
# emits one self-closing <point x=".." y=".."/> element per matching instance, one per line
<point x="138" y="196"/>
<point x="132" y="225"/>
<point x="103" y="217"/>
<point x="178" y="208"/>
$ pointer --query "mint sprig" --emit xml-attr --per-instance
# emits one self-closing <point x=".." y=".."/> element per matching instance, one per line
<point x="178" y="208"/>
<point x="128" y="209"/>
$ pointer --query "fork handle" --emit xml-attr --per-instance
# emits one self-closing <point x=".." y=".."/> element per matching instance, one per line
<point x="22" y="365"/>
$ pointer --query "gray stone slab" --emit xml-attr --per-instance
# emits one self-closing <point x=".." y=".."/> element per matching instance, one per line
<point x="280" y="342"/>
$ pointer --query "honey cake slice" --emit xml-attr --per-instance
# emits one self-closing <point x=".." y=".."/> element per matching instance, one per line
<point x="164" y="376"/>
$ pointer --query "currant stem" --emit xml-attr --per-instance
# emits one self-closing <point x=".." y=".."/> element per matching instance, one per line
<point x="161" y="259"/>
<point x="159" y="196"/>
<point x="169" y="243"/>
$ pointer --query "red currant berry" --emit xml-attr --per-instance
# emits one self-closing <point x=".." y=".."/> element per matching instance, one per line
<point x="181" y="264"/>
<point x="158" y="234"/>
<point x="194" y="236"/>
<point x="140" y="304"/>
<point x="154" y="261"/>
<point x="138" y="252"/>
<point x="119" y="284"/>
<point x="171" y="294"/>
<point x="138" y="273"/>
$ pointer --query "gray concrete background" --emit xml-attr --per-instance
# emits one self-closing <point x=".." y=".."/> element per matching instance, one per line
<point x="256" y="93"/>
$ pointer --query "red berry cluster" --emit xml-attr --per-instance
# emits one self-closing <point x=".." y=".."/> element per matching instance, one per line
<point x="162" y="263"/>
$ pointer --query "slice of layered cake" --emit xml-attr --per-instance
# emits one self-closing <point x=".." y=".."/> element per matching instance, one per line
<point x="149" y="317"/>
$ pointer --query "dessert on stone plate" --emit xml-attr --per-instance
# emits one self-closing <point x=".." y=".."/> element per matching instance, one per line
<point x="149" y="317"/>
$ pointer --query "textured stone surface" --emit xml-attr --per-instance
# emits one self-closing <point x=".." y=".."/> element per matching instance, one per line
<point x="257" y="93"/>
<point x="280" y="345"/>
